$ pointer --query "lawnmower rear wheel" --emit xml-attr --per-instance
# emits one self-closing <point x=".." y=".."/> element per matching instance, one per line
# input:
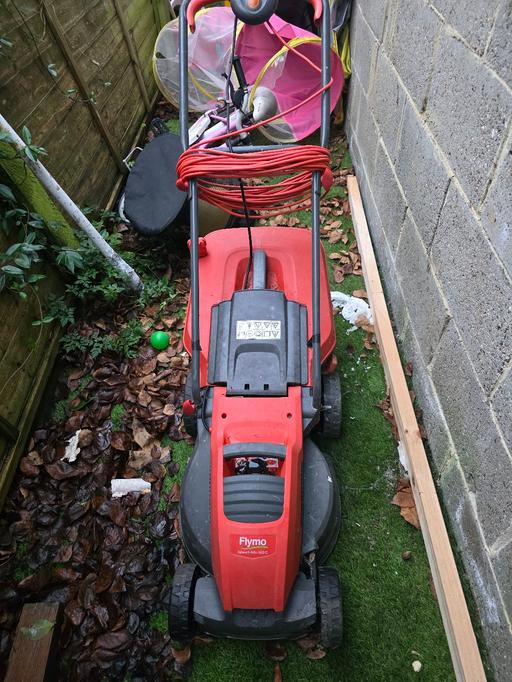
<point x="329" y="607"/>
<point x="181" y="602"/>
<point x="330" y="420"/>
<point x="189" y="421"/>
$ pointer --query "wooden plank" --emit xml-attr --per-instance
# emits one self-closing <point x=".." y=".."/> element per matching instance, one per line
<point x="82" y="83"/>
<point x="133" y="55"/>
<point x="466" y="658"/>
<point x="33" y="655"/>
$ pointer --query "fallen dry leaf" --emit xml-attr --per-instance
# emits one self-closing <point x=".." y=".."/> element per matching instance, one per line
<point x="182" y="656"/>
<point x="360" y="293"/>
<point x="308" y="641"/>
<point x="405" y="500"/>
<point x="275" y="651"/>
<point x="316" y="654"/>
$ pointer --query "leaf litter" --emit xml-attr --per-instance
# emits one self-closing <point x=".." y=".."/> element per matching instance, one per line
<point x="64" y="535"/>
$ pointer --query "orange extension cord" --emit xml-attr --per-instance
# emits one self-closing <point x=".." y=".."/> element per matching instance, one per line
<point x="209" y="166"/>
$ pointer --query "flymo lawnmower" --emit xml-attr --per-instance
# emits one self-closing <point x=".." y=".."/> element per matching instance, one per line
<point x="259" y="503"/>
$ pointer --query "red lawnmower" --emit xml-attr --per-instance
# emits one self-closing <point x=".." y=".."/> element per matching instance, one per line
<point x="259" y="507"/>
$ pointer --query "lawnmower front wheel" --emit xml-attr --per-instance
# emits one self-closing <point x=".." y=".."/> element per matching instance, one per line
<point x="329" y="607"/>
<point x="181" y="604"/>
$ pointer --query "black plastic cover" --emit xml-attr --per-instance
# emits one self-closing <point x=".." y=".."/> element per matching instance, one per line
<point x="254" y="498"/>
<point x="298" y="617"/>
<point x="258" y="344"/>
<point x="151" y="199"/>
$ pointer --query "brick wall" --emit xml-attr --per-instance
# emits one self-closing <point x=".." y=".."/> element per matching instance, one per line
<point x="429" y="123"/>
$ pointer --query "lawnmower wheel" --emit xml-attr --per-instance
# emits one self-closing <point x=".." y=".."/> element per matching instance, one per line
<point x="330" y="421"/>
<point x="181" y="603"/>
<point x="329" y="607"/>
<point x="189" y="421"/>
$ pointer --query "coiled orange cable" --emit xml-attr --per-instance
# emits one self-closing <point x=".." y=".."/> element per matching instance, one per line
<point x="207" y="166"/>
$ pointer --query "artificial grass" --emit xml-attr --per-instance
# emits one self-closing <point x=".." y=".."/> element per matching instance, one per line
<point x="391" y="617"/>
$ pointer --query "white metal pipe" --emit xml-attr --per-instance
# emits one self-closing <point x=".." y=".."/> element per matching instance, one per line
<point x="71" y="210"/>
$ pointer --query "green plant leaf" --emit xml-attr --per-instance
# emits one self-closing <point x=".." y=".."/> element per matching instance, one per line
<point x="26" y="135"/>
<point x="12" y="270"/>
<point x="13" y="249"/>
<point x="29" y="154"/>
<point x="23" y="261"/>
<point x="32" y="279"/>
<point x="7" y="193"/>
<point x="69" y="259"/>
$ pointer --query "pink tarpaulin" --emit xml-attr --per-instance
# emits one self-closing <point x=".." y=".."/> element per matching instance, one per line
<point x="292" y="80"/>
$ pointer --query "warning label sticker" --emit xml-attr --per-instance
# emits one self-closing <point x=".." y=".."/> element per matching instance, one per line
<point x="258" y="329"/>
<point x="261" y="545"/>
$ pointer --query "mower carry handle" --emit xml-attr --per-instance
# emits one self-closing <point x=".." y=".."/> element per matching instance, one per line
<point x="249" y="11"/>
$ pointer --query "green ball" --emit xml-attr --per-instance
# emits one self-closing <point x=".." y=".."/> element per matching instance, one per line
<point x="159" y="340"/>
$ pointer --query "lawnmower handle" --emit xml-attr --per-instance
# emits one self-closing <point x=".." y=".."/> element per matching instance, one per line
<point x="249" y="11"/>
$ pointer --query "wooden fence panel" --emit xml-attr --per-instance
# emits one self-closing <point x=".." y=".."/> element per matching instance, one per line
<point x="71" y="77"/>
<point x="56" y="106"/>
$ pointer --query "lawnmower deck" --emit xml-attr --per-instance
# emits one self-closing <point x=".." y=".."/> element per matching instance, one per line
<point x="259" y="504"/>
<point x="260" y="331"/>
<point x="222" y="265"/>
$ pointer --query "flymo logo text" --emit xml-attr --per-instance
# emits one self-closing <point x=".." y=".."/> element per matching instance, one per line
<point x="249" y="543"/>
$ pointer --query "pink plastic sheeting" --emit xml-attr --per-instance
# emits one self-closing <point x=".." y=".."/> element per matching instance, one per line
<point x="289" y="77"/>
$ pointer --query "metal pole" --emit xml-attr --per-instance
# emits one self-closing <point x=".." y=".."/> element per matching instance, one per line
<point x="194" y="211"/>
<point x="184" y="74"/>
<point x="71" y="210"/>
<point x="326" y="73"/>
<point x="315" y="208"/>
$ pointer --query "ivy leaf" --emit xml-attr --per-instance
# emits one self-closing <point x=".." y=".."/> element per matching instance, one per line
<point x="6" y="193"/>
<point x="13" y="249"/>
<point x="26" y="135"/>
<point x="12" y="270"/>
<point x="28" y="153"/>
<point x="32" y="279"/>
<point x="23" y="261"/>
<point x="70" y="260"/>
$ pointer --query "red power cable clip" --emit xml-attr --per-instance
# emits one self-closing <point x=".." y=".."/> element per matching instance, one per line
<point x="189" y="408"/>
<point x="202" y="250"/>
<point x="327" y="179"/>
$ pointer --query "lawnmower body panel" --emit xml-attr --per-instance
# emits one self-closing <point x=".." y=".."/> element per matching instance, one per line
<point x="245" y="527"/>
<point x="289" y="269"/>
<point x="255" y="563"/>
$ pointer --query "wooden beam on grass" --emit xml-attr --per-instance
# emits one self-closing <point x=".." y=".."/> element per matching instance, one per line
<point x="134" y="57"/>
<point x="466" y="659"/>
<point x="33" y="654"/>
<point x="65" y="47"/>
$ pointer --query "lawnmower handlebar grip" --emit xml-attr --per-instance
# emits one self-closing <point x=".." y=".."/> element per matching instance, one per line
<point x="317" y="8"/>
<point x="193" y="8"/>
<point x="248" y="11"/>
